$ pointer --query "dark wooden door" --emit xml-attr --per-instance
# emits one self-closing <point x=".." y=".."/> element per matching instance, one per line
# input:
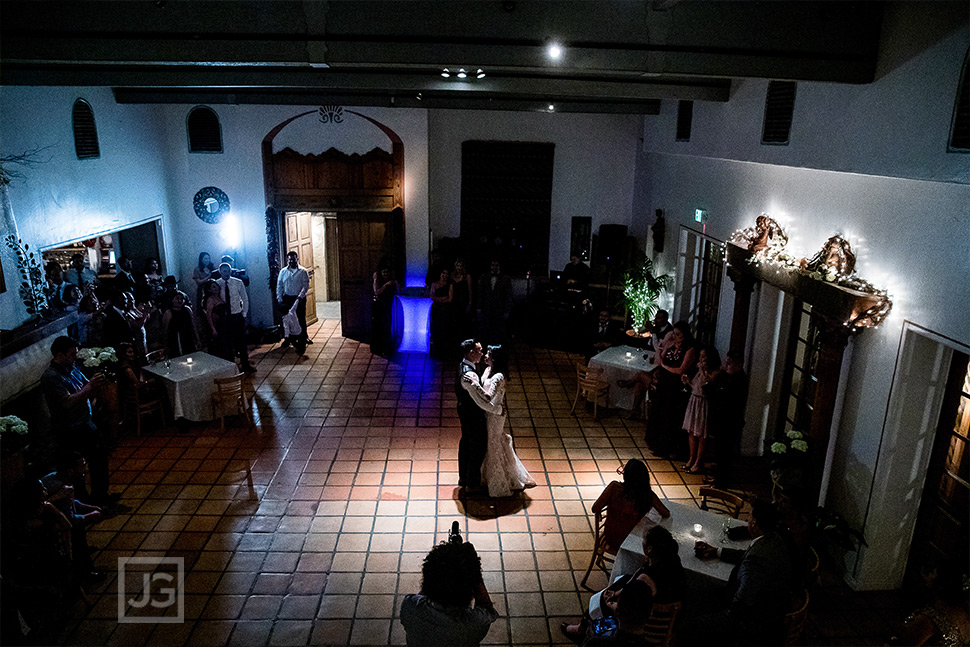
<point x="364" y="240"/>
<point x="943" y="524"/>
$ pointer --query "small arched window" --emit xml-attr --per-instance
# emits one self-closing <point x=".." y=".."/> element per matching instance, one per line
<point x="205" y="135"/>
<point x="85" y="131"/>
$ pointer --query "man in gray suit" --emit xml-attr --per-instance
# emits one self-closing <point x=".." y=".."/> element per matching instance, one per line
<point x="759" y="590"/>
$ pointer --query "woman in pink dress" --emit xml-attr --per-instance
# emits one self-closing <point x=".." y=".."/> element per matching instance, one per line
<point x="695" y="418"/>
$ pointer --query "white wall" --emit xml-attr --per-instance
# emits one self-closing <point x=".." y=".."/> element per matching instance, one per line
<point x="64" y="198"/>
<point x="593" y="167"/>
<point x="869" y="162"/>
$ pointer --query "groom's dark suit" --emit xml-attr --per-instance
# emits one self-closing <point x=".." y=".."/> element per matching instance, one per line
<point x="474" y="433"/>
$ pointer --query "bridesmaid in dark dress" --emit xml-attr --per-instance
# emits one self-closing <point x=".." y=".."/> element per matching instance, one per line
<point x="442" y="296"/>
<point x="461" y="303"/>
<point x="385" y="287"/>
<point x="181" y="335"/>
<point x="677" y="356"/>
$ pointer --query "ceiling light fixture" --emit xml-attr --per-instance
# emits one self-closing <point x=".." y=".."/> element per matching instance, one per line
<point x="445" y="73"/>
<point x="554" y="51"/>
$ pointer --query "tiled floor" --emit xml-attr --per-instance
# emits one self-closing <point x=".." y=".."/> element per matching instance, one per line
<point x="354" y="467"/>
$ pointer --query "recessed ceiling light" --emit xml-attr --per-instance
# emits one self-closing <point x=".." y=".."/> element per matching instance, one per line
<point x="480" y="74"/>
<point x="554" y="51"/>
<point x="445" y="73"/>
<point x="461" y="73"/>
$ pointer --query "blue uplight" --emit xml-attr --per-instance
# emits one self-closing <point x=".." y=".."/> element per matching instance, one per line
<point x="417" y="315"/>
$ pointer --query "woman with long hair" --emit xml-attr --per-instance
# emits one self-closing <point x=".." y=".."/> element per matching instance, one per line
<point x="461" y="303"/>
<point x="627" y="503"/>
<point x="201" y="274"/>
<point x="502" y="471"/>
<point x="695" y="418"/>
<point x="181" y="335"/>
<point x="216" y="322"/>
<point x="676" y="357"/>
<point x="442" y="295"/>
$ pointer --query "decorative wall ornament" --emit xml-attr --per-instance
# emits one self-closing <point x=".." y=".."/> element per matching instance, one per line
<point x="331" y="114"/>
<point x="211" y="204"/>
<point x="33" y="284"/>
<point x="834" y="263"/>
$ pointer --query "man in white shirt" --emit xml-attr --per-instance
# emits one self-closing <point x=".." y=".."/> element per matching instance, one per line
<point x="237" y="307"/>
<point x="291" y="287"/>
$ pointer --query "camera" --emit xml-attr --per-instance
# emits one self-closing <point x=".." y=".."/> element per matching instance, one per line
<point x="454" y="536"/>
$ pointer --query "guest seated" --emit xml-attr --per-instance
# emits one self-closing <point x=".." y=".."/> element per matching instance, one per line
<point x="632" y="614"/>
<point x="659" y="328"/>
<point x="59" y="484"/>
<point x="604" y="334"/>
<point x="70" y="298"/>
<point x="759" y="590"/>
<point x="661" y="571"/>
<point x="627" y="503"/>
<point x="442" y="613"/>
<point x="576" y="274"/>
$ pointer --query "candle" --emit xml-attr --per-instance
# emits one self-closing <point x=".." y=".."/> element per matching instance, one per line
<point x="698" y="528"/>
<point x="188" y="360"/>
<point x="629" y="354"/>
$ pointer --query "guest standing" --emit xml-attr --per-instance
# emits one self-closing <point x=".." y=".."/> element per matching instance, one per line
<point x="237" y="308"/>
<point x="442" y="297"/>
<point x="217" y="323"/>
<point x="116" y="330"/>
<point x="124" y="280"/>
<point x="462" y="300"/>
<point x="79" y="274"/>
<point x="292" y="286"/>
<point x="727" y="395"/>
<point x="181" y="335"/>
<point x="676" y="358"/>
<point x="696" y="418"/>
<point x="385" y="288"/>
<point x="90" y="320"/>
<point x="201" y="274"/>
<point x="494" y="304"/>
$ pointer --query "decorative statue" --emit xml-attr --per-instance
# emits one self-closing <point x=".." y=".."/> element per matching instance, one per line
<point x="836" y="254"/>
<point x="766" y="238"/>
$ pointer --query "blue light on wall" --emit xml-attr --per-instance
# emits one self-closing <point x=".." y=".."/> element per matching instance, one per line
<point x="417" y="315"/>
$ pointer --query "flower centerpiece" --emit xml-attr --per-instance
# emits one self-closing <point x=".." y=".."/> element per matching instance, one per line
<point x="13" y="434"/>
<point x="642" y="291"/>
<point x="98" y="360"/>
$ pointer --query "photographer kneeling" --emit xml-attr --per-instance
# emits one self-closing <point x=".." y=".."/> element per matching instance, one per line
<point x="442" y="613"/>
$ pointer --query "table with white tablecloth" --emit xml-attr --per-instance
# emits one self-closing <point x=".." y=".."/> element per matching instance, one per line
<point x="701" y="573"/>
<point x="621" y="363"/>
<point x="189" y="382"/>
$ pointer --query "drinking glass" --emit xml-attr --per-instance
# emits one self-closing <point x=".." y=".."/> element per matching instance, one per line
<point x="724" y="531"/>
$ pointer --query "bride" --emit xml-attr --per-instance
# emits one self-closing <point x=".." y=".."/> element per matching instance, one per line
<point x="502" y="471"/>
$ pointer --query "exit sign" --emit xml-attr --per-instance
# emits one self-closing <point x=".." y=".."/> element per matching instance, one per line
<point x="700" y="215"/>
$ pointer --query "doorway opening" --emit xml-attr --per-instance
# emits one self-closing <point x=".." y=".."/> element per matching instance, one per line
<point x="313" y="236"/>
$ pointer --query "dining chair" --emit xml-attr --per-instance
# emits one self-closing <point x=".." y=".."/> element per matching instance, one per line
<point x="590" y="384"/>
<point x="142" y="400"/>
<point x="795" y="620"/>
<point x="230" y="394"/>
<point x="720" y="501"/>
<point x="660" y="627"/>
<point x="603" y="554"/>
<point x="156" y="356"/>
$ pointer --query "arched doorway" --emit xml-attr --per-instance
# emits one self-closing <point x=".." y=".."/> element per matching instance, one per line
<point x="364" y="191"/>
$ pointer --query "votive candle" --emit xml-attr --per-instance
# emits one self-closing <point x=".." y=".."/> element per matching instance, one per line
<point x="698" y="528"/>
<point x="188" y="360"/>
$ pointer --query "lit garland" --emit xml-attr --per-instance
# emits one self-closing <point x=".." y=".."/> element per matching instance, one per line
<point x="834" y="263"/>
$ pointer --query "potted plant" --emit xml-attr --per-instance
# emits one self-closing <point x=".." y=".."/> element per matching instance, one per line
<point x="642" y="291"/>
<point x="788" y="460"/>
<point x="13" y="443"/>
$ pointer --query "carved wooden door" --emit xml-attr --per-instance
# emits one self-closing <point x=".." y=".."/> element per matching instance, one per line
<point x="364" y="240"/>
<point x="299" y="239"/>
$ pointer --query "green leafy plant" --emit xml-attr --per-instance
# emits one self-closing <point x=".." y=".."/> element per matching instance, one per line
<point x="642" y="291"/>
<point x="33" y="284"/>
<point x="837" y="531"/>
<point x="13" y="435"/>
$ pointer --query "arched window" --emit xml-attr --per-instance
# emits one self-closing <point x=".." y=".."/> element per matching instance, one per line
<point x="85" y="132"/>
<point x="205" y="136"/>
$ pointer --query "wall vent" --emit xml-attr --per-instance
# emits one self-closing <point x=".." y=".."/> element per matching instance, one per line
<point x="85" y="132"/>
<point x="205" y="134"/>
<point x="779" y="107"/>
<point x="685" y="116"/>
<point x="960" y="129"/>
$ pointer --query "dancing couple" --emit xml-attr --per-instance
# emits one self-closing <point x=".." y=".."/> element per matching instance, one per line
<point x="486" y="458"/>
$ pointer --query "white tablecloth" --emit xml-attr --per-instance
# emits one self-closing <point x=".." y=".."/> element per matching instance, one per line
<point x="189" y="385"/>
<point x="617" y="367"/>
<point x="680" y="523"/>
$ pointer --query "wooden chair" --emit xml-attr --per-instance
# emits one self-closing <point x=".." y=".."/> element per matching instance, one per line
<point x="660" y="627"/>
<point x="590" y="384"/>
<point x="142" y="400"/>
<point x="720" y="501"/>
<point x="603" y="555"/>
<point x="156" y="356"/>
<point x="795" y="620"/>
<point x="230" y="393"/>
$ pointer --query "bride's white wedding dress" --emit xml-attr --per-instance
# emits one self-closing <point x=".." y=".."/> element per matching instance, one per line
<point x="502" y="471"/>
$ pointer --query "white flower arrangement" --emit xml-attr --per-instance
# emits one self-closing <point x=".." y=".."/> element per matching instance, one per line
<point x="96" y="357"/>
<point x="13" y="425"/>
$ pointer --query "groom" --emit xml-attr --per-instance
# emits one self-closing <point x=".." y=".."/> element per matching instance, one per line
<point x="472" y="405"/>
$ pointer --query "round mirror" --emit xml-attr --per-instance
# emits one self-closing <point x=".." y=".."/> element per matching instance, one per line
<point x="211" y="204"/>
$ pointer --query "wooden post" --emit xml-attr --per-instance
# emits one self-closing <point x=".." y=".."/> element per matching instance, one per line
<point x="743" y="285"/>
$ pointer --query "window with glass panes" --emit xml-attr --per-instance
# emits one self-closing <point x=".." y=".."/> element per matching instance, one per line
<point x="702" y="260"/>
<point x="800" y="379"/>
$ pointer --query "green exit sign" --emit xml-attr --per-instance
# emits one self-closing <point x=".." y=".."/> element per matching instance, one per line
<point x="700" y="215"/>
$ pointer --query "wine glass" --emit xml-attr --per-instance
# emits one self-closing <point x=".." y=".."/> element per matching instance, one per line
<point x="724" y="530"/>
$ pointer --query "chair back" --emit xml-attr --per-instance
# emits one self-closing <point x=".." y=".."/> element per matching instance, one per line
<point x="228" y="388"/>
<point x="795" y="620"/>
<point x="660" y="627"/>
<point x="720" y="501"/>
<point x="589" y="376"/>
<point x="156" y="356"/>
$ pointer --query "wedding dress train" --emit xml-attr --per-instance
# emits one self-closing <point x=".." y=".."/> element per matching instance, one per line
<point x="502" y="471"/>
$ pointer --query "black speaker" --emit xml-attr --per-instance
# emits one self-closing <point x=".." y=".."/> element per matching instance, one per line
<point x="611" y="245"/>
